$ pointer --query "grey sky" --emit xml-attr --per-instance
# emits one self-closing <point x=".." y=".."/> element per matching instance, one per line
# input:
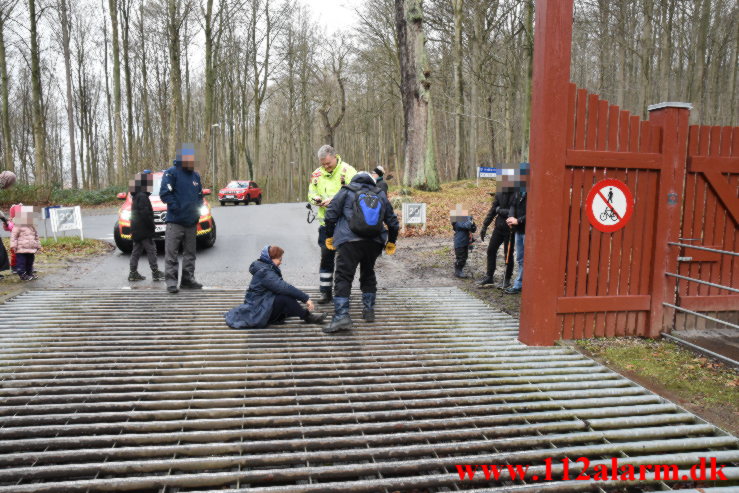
<point x="334" y="14"/>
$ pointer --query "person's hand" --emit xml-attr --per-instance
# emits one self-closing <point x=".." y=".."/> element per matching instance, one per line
<point x="330" y="243"/>
<point x="483" y="233"/>
<point x="390" y="248"/>
<point x="511" y="221"/>
<point x="309" y="304"/>
<point x="325" y="203"/>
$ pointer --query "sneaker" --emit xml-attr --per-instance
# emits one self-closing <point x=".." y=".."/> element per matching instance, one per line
<point x="135" y="276"/>
<point x="157" y="275"/>
<point x="512" y="290"/>
<point x="173" y="289"/>
<point x="315" y="318"/>
<point x="191" y="285"/>
<point x="485" y="281"/>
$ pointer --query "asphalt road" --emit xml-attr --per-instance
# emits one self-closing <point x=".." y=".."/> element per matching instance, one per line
<point x="242" y="232"/>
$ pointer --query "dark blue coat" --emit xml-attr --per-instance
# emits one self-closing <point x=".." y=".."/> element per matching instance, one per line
<point x="462" y="232"/>
<point x="266" y="283"/>
<point x="182" y="191"/>
<point x="341" y="210"/>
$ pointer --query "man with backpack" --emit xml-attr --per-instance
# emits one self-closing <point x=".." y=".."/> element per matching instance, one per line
<point x="355" y="227"/>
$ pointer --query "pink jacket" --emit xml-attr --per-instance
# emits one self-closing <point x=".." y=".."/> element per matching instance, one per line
<point x="24" y="239"/>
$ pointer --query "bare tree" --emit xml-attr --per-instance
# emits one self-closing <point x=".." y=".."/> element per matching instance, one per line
<point x="6" y="10"/>
<point x="41" y="171"/>
<point x="332" y="80"/>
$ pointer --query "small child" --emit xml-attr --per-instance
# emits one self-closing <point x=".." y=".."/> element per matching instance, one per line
<point x="142" y="227"/>
<point x="25" y="243"/>
<point x="463" y="225"/>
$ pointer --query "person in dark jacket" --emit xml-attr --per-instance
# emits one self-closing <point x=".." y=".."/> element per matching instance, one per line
<point x="464" y="226"/>
<point x="517" y="221"/>
<point x="502" y="233"/>
<point x="379" y="175"/>
<point x="7" y="180"/>
<point x="182" y="191"/>
<point x="142" y="227"/>
<point x="358" y="249"/>
<point x="269" y="299"/>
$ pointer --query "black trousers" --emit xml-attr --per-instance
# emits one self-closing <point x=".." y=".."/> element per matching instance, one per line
<point x="361" y="253"/>
<point x="502" y="237"/>
<point x="24" y="263"/>
<point x="460" y="255"/>
<point x="328" y="262"/>
<point x="284" y="307"/>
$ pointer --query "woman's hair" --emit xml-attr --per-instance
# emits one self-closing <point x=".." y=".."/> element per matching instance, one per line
<point x="275" y="252"/>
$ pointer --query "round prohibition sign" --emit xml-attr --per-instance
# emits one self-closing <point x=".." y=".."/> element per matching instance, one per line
<point x="610" y="205"/>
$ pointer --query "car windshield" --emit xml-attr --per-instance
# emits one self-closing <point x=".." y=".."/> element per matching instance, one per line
<point x="236" y="184"/>
<point x="157" y="185"/>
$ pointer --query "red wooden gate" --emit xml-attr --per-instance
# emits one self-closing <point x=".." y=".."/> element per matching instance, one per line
<point x="580" y="282"/>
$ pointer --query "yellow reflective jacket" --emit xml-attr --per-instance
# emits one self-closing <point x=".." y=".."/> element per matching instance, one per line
<point x="324" y="185"/>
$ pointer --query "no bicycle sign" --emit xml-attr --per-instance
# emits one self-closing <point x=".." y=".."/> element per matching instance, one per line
<point x="609" y="205"/>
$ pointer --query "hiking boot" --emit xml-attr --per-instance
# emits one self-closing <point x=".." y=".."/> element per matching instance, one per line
<point x="135" y="276"/>
<point x="173" y="289"/>
<point x="368" y="306"/>
<point x="314" y="318"/>
<point x="504" y="285"/>
<point x="192" y="284"/>
<point x="485" y="281"/>
<point x="157" y="275"/>
<point x="512" y="290"/>
<point x="325" y="298"/>
<point x="341" y="319"/>
<point x="459" y="273"/>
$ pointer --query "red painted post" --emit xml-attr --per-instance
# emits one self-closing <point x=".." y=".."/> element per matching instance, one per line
<point x="544" y="224"/>
<point x="673" y="119"/>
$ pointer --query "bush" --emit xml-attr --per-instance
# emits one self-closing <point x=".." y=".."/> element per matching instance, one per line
<point x="37" y="195"/>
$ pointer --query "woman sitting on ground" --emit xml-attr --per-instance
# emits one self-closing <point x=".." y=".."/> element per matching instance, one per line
<point x="269" y="299"/>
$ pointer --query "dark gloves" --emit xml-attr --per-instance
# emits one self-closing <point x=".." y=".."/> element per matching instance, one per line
<point x="483" y="232"/>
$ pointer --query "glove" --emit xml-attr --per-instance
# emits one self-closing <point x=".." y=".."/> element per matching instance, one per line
<point x="330" y="243"/>
<point x="483" y="232"/>
<point x="390" y="248"/>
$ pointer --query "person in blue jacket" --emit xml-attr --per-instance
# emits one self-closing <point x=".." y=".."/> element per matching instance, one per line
<point x="269" y="299"/>
<point x="355" y="226"/>
<point x="463" y="226"/>
<point x="182" y="191"/>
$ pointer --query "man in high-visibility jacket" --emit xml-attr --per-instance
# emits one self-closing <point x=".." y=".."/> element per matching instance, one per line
<point x="325" y="182"/>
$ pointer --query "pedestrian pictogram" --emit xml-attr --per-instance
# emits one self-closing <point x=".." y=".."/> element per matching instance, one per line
<point x="609" y="205"/>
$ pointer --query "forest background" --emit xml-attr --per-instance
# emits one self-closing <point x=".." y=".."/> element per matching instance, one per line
<point x="92" y="91"/>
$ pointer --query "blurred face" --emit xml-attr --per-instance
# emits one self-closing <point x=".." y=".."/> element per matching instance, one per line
<point x="329" y="163"/>
<point x="188" y="162"/>
<point x="277" y="261"/>
<point x="140" y="182"/>
<point x="26" y="215"/>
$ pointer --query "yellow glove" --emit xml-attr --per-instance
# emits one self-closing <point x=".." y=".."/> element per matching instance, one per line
<point x="330" y="243"/>
<point x="390" y="248"/>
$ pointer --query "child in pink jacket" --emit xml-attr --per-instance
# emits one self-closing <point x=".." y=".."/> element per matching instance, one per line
<point x="24" y="241"/>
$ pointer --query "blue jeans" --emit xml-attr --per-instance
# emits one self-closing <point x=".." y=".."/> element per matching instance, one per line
<point x="519" y="260"/>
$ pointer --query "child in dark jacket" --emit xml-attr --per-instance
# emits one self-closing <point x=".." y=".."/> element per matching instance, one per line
<point x="463" y="225"/>
<point x="142" y="227"/>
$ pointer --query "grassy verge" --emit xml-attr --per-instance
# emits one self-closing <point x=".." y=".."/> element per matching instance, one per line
<point x="705" y="387"/>
<point x="438" y="204"/>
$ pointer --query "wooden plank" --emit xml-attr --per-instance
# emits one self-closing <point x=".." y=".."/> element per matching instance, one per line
<point x="573" y="238"/>
<point x="586" y="239"/>
<point x="571" y="100"/>
<point x="645" y="197"/>
<point x="700" y="255"/>
<point x="735" y="183"/>
<point x="593" y="117"/>
<point x="611" y="159"/>
<point x="724" y="192"/>
<point x="570" y="230"/>
<point x="689" y="208"/>
<point x="710" y="272"/>
<point x="580" y="121"/>
<point x="728" y="227"/>
<point x="704" y="140"/>
<point x="723" y="164"/>
<point x="714" y="303"/>
<point x="602" y="126"/>
<point x="592" y="304"/>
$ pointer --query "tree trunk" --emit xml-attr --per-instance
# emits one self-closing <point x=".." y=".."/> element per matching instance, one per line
<point x="147" y="154"/>
<point x="8" y="162"/>
<point x="420" y="165"/>
<point x="209" y="87"/>
<point x="459" y="141"/>
<point x="529" y="66"/>
<point x="126" y="25"/>
<point x="113" y="7"/>
<point x="175" y="77"/>
<point x="41" y="172"/>
<point x="110" y="171"/>
<point x="65" y="22"/>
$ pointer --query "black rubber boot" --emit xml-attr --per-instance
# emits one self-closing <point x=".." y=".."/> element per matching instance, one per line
<point x="485" y="281"/>
<point x="157" y="275"/>
<point x="325" y="298"/>
<point x="193" y="284"/>
<point x="460" y="274"/>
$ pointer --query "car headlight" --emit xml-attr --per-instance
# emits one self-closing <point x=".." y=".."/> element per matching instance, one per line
<point x="126" y="215"/>
<point x="204" y="210"/>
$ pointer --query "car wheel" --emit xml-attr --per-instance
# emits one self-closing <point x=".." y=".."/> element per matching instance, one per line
<point x="207" y="241"/>
<point x="223" y="203"/>
<point x="123" y="244"/>
<point x="259" y="200"/>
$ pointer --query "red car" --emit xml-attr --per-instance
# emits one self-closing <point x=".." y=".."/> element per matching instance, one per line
<point x="240" y="191"/>
<point x="206" y="235"/>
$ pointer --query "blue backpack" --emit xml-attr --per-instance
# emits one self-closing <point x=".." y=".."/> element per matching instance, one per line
<point x="369" y="211"/>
